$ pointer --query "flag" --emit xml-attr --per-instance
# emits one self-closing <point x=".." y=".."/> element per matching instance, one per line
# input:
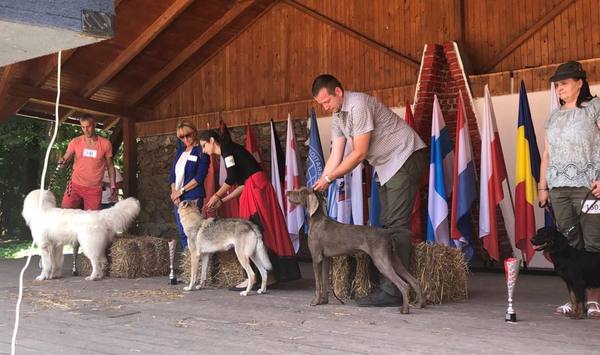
<point x="231" y="208"/>
<point x="375" y="209"/>
<point x="464" y="189"/>
<point x="252" y="146"/>
<point x="440" y="178"/>
<point x="277" y="167"/>
<point x="295" y="213"/>
<point x="493" y="175"/>
<point x="315" y="162"/>
<point x="527" y="175"/>
<point x="340" y="194"/>
<point x="415" y="218"/>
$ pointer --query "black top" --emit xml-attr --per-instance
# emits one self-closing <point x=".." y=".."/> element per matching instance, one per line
<point x="240" y="164"/>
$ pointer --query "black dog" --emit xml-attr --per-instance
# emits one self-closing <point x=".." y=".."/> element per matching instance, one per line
<point x="579" y="269"/>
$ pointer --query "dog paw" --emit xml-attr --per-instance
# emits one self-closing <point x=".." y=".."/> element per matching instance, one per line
<point x="93" y="278"/>
<point x="318" y="301"/>
<point x="244" y="293"/>
<point x="41" y="277"/>
<point x="261" y="291"/>
<point x="188" y="288"/>
<point x="199" y="287"/>
<point x="404" y="310"/>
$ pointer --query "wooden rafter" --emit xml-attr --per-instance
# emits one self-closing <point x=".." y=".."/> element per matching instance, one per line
<point x="525" y="35"/>
<point x="136" y="47"/>
<point x="187" y="52"/>
<point x="355" y="34"/>
<point x="113" y="122"/>
<point x="73" y="101"/>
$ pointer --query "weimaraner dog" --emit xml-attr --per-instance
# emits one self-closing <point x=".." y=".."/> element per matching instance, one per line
<point x="327" y="238"/>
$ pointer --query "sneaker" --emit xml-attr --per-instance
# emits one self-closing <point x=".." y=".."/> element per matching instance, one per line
<point x="379" y="298"/>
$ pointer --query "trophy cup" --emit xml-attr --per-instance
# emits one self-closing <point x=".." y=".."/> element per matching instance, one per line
<point x="511" y="269"/>
<point x="172" y="277"/>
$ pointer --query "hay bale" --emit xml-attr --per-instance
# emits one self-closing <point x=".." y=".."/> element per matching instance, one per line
<point x="185" y="268"/>
<point x="340" y="276"/>
<point x="224" y="270"/>
<point x="441" y="271"/>
<point x="229" y="272"/>
<point x="132" y="256"/>
<point x="361" y="283"/>
<point x="126" y="259"/>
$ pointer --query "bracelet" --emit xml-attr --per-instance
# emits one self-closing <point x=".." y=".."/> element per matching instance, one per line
<point x="546" y="189"/>
<point x="327" y="179"/>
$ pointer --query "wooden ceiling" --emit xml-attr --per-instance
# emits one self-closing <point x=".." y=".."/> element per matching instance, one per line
<point x="172" y="58"/>
<point x="156" y="45"/>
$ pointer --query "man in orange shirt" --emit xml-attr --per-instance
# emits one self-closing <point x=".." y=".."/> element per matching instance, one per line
<point x="93" y="155"/>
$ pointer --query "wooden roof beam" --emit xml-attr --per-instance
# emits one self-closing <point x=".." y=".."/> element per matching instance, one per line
<point x="74" y="102"/>
<point x="355" y="34"/>
<point x="187" y="52"/>
<point x="136" y="47"/>
<point x="525" y="36"/>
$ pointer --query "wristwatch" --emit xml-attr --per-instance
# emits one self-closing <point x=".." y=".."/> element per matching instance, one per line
<point x="327" y="179"/>
<point x="182" y="190"/>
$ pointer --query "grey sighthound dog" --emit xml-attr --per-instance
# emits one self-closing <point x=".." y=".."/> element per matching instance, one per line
<point x="208" y="236"/>
<point x="327" y="238"/>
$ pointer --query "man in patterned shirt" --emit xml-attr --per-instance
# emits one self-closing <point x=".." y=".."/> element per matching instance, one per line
<point x="391" y="146"/>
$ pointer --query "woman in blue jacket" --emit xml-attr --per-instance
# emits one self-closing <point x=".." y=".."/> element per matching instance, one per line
<point x="186" y="178"/>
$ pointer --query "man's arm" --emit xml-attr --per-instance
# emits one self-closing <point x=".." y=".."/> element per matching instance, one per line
<point x="65" y="158"/>
<point x="358" y="154"/>
<point x="337" y="169"/>
<point x="111" y="172"/>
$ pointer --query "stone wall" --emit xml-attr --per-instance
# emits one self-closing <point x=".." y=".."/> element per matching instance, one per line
<point x="155" y="156"/>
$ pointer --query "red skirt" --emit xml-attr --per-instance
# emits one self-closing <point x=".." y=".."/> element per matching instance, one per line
<point x="258" y="202"/>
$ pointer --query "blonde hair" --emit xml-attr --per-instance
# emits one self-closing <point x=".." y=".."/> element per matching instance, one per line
<point x="186" y="127"/>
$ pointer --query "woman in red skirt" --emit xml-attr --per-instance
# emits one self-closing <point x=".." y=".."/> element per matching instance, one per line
<point x="258" y="201"/>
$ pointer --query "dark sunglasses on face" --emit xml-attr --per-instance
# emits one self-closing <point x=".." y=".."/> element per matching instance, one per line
<point x="186" y="136"/>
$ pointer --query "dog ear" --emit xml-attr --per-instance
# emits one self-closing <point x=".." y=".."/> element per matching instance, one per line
<point x="312" y="203"/>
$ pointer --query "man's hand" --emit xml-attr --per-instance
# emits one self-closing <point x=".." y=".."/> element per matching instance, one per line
<point x="321" y="184"/>
<point x="544" y="197"/>
<point x="113" y="195"/>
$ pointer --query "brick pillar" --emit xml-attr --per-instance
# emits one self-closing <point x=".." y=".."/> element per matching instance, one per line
<point x="442" y="74"/>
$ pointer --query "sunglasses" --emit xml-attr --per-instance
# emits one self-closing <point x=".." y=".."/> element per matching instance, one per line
<point x="183" y="136"/>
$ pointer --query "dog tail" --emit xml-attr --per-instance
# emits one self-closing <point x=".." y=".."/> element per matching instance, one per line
<point x="120" y="216"/>
<point x="261" y="250"/>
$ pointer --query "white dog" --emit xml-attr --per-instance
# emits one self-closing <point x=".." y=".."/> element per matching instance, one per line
<point x="207" y="236"/>
<point x="52" y="228"/>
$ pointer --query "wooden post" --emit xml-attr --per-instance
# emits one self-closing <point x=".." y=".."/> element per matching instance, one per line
<point x="129" y="158"/>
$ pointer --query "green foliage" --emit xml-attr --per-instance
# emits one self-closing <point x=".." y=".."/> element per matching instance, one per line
<point x="23" y="144"/>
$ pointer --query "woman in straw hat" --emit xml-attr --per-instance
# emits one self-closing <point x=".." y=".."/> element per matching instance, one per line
<point x="258" y="202"/>
<point x="570" y="169"/>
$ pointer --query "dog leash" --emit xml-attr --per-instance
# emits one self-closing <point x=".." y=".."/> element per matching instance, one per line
<point x="548" y="206"/>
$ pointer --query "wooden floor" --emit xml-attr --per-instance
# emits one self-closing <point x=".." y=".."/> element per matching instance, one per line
<point x="118" y="316"/>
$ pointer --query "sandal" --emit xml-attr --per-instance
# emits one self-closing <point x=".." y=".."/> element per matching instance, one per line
<point x="593" y="309"/>
<point x="565" y="309"/>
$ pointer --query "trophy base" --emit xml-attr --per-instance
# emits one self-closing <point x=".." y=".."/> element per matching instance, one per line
<point x="510" y="317"/>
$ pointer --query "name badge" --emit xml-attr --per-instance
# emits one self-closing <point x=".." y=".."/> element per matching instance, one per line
<point x="595" y="207"/>
<point x="229" y="161"/>
<point x="192" y="157"/>
<point x="89" y="153"/>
